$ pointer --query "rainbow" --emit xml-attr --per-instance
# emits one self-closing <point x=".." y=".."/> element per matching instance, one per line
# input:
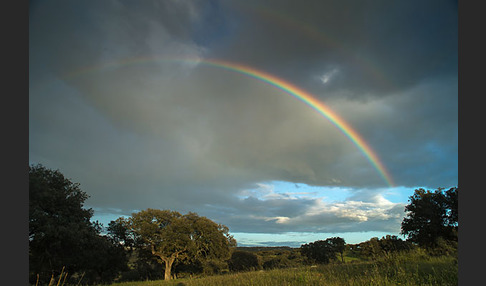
<point x="278" y="83"/>
<point x="302" y="28"/>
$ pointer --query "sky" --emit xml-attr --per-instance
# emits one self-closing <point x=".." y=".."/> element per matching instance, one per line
<point x="200" y="106"/>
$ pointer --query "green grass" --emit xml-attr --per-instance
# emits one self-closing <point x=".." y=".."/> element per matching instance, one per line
<point x="412" y="269"/>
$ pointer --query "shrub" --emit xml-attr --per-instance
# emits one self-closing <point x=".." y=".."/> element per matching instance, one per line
<point x="243" y="261"/>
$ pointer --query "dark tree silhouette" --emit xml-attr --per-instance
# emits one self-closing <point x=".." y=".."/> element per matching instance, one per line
<point x="60" y="231"/>
<point x="322" y="251"/>
<point x="119" y="231"/>
<point x="391" y="243"/>
<point x="432" y="215"/>
<point x="338" y="245"/>
<point x="243" y="261"/>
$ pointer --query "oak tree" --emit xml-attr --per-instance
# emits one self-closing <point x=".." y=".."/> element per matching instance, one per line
<point x="61" y="233"/>
<point x="172" y="237"/>
<point x="431" y="215"/>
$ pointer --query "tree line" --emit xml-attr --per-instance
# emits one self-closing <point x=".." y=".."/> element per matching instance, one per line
<point x="163" y="244"/>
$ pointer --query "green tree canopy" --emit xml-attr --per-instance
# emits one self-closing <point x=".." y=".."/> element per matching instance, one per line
<point x="243" y="261"/>
<point x="392" y="243"/>
<point x="174" y="237"/>
<point x="370" y="248"/>
<point x="431" y="215"/>
<point x="322" y="251"/>
<point x="338" y="245"/>
<point x="119" y="231"/>
<point x="60" y="231"/>
<point x="385" y="246"/>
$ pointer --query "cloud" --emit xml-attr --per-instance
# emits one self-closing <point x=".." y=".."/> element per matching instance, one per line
<point x="327" y="76"/>
<point x="376" y="45"/>
<point x="227" y="121"/>
<point x="188" y="136"/>
<point x="365" y="210"/>
<point x="67" y="36"/>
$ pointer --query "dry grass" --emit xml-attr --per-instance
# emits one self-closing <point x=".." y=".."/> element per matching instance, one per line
<point x="410" y="269"/>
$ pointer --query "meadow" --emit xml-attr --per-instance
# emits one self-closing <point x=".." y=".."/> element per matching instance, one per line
<point x="413" y="268"/>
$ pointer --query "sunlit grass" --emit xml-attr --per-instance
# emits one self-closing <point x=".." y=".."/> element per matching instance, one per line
<point x="412" y="269"/>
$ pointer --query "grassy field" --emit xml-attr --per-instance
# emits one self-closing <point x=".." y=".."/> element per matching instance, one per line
<point x="398" y="270"/>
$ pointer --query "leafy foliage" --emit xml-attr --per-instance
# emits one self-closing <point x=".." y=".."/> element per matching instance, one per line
<point x="280" y="261"/>
<point x="391" y="244"/>
<point x="243" y="261"/>
<point x="323" y="251"/>
<point x="431" y="215"/>
<point x="173" y="237"/>
<point x="61" y="234"/>
<point x="119" y="231"/>
<point x="338" y="245"/>
<point x="376" y="248"/>
<point x="156" y="241"/>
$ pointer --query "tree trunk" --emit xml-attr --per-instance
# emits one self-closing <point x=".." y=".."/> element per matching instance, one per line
<point x="168" y="266"/>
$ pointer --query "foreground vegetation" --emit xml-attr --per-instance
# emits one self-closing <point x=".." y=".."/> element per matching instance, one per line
<point x="412" y="268"/>
<point x="66" y="248"/>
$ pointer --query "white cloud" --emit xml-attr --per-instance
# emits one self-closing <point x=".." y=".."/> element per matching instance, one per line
<point x="275" y="212"/>
<point x="327" y="76"/>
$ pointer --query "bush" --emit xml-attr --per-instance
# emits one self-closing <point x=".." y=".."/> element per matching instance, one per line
<point x="243" y="261"/>
<point x="443" y="247"/>
<point x="277" y="262"/>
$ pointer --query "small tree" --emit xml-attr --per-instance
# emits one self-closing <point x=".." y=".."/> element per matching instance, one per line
<point x="370" y="248"/>
<point x="338" y="245"/>
<point x="174" y="237"/>
<point x="391" y="243"/>
<point x="243" y="261"/>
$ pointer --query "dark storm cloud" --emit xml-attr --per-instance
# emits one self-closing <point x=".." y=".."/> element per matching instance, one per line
<point x="192" y="137"/>
<point x="378" y="46"/>
<point x="68" y="35"/>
